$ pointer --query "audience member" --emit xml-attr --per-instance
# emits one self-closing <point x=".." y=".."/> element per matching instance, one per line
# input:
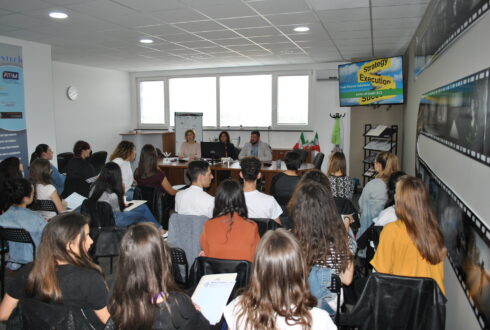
<point x="323" y="239"/>
<point x="278" y="296"/>
<point x="373" y="197"/>
<point x="148" y="174"/>
<point x="40" y="176"/>
<point x="256" y="148"/>
<point x="194" y="200"/>
<point x="145" y="295"/>
<point x="10" y="168"/>
<point x="21" y="193"/>
<point x="230" y="235"/>
<point x="45" y="152"/>
<point x="109" y="188"/>
<point x="259" y="205"/>
<point x="230" y="150"/>
<point x="123" y="155"/>
<point x="79" y="166"/>
<point x="62" y="273"/>
<point x="412" y="245"/>
<point x="340" y="183"/>
<point x="190" y="148"/>
<point x="283" y="184"/>
<point x="388" y="214"/>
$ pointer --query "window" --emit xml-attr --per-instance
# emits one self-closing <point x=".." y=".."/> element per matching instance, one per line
<point x="152" y="102"/>
<point x="292" y="100"/>
<point x="197" y="94"/>
<point x="246" y="100"/>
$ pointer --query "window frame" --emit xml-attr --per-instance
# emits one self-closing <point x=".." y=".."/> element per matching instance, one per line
<point x="141" y="77"/>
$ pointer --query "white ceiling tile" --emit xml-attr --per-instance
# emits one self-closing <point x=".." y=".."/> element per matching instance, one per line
<point x="198" y="44"/>
<point x="66" y="2"/>
<point x="377" y="3"/>
<point x="178" y="15"/>
<point x="269" y="39"/>
<point x="151" y="5"/>
<point x="396" y="23"/>
<point x="403" y="33"/>
<point x="232" y="9"/>
<point x="384" y="12"/>
<point x="279" y="6"/>
<point x="338" y="4"/>
<point x="365" y="42"/>
<point x="232" y="42"/>
<point x="215" y="35"/>
<point x="303" y="18"/>
<point x="348" y="26"/>
<point x="244" y="22"/>
<point x="22" y="21"/>
<point x="4" y="12"/>
<point x="199" y="26"/>
<point x="103" y="9"/>
<point x="342" y="15"/>
<point x="159" y="30"/>
<point x="258" y="32"/>
<point x="6" y="28"/>
<point x="358" y="34"/>
<point x="134" y="20"/>
<point x="181" y="37"/>
<point x="209" y="2"/>
<point x="23" y="5"/>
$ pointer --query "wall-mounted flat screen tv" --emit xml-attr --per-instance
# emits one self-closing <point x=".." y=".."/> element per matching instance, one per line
<point x="378" y="81"/>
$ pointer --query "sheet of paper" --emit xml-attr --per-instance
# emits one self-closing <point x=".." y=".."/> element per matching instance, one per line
<point x="212" y="294"/>
<point x="376" y="131"/>
<point x="74" y="200"/>
<point x="133" y="204"/>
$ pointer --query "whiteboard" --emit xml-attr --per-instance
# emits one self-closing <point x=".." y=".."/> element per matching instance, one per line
<point x="183" y="122"/>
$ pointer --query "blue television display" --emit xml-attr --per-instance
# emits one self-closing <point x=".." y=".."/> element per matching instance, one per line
<point x="378" y="81"/>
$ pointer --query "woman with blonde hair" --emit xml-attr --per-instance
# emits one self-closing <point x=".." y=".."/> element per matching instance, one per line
<point x="190" y="148"/>
<point x="123" y="155"/>
<point x="374" y="195"/>
<point x="413" y="245"/>
<point x="278" y="296"/>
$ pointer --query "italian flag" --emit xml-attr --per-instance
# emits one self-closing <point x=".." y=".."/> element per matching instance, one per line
<point x="315" y="145"/>
<point x="302" y="143"/>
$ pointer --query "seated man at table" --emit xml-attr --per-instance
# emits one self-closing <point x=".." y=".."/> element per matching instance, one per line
<point x="256" y="148"/>
<point x="194" y="200"/>
<point x="259" y="205"/>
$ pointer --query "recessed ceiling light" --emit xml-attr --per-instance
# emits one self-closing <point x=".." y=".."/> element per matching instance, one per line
<point x="301" y="29"/>
<point x="58" y="15"/>
<point x="146" y="41"/>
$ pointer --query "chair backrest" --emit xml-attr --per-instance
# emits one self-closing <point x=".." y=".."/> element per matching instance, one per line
<point x="179" y="259"/>
<point x="100" y="213"/>
<point x="158" y="201"/>
<point x="398" y="302"/>
<point x="17" y="235"/>
<point x="207" y="266"/>
<point x="75" y="184"/>
<point x="318" y="160"/>
<point x="43" y="205"/>
<point x="98" y="160"/>
<point x="303" y="154"/>
<point x="63" y="159"/>
<point x="265" y="224"/>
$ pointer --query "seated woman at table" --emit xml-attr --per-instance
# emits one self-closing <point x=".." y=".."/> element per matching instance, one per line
<point x="45" y="152"/>
<point x="147" y="174"/>
<point x="79" y="166"/>
<point x="190" y="148"/>
<point x="230" y="150"/>
<point x="123" y="155"/>
<point x="229" y="234"/>
<point x="283" y="184"/>
<point x="340" y="183"/>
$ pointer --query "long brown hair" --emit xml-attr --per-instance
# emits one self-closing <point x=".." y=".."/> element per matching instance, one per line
<point x="39" y="172"/>
<point x="147" y="165"/>
<point x="389" y="164"/>
<point x="123" y="150"/>
<point x="317" y="224"/>
<point x="61" y="230"/>
<point x="144" y="273"/>
<point x="413" y="208"/>
<point x="337" y="163"/>
<point x="278" y="285"/>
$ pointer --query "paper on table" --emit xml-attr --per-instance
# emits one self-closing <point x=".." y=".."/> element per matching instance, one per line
<point x="134" y="204"/>
<point x="212" y="294"/>
<point x="74" y="200"/>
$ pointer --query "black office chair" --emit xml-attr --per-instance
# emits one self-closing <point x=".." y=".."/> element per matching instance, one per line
<point x="63" y="159"/>
<point x="318" y="160"/>
<point x="336" y="287"/>
<point x="97" y="159"/>
<point x="303" y="153"/>
<point x="17" y="235"/>
<point x="158" y="201"/>
<point x="43" y="205"/>
<point x="265" y="224"/>
<point x="179" y="259"/>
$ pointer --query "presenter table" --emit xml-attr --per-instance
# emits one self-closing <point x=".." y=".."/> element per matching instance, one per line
<point x="175" y="172"/>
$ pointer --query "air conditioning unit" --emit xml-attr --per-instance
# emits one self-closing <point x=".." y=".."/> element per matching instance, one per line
<point x="326" y="74"/>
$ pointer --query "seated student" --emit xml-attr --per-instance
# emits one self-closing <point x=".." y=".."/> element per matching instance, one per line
<point x="388" y="214"/>
<point x="256" y="148"/>
<point x="145" y="295"/>
<point x="10" y="168"/>
<point x="190" y="148"/>
<point x="123" y="155"/>
<point x="283" y="184"/>
<point x="259" y="205"/>
<point x="412" y="245"/>
<point x="278" y="296"/>
<point x="109" y="188"/>
<point x="21" y="193"/>
<point x="340" y="183"/>
<point x="230" y="150"/>
<point x="194" y="200"/>
<point x="323" y="239"/>
<point x="40" y="176"/>
<point x="45" y="152"/>
<point x="148" y="174"/>
<point x="229" y="235"/>
<point x="62" y="273"/>
<point x="79" y="166"/>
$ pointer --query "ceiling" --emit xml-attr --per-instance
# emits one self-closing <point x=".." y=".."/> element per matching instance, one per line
<point x="213" y="33"/>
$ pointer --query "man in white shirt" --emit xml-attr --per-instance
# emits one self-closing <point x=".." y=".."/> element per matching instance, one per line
<point x="259" y="205"/>
<point x="194" y="200"/>
<point x="256" y="148"/>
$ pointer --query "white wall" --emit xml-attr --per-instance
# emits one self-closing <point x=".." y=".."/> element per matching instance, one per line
<point x="466" y="177"/>
<point x="325" y="100"/>
<point x="101" y="112"/>
<point x="38" y="92"/>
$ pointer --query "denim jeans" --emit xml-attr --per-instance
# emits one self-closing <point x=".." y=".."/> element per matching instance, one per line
<point x="140" y="214"/>
<point x="319" y="280"/>
<point x="129" y="194"/>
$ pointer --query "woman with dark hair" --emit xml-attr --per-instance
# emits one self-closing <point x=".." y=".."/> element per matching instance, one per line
<point x="40" y="176"/>
<point x="190" y="148"/>
<point x="229" y="234"/>
<point x="147" y="174"/>
<point x="412" y="245"/>
<point x="79" y="166"/>
<point x="340" y="183"/>
<point x="230" y="150"/>
<point x="283" y="184"/>
<point x="388" y="214"/>
<point x="109" y="188"/>
<point x="323" y="239"/>
<point x="10" y="168"/>
<point x="45" y="152"/>
<point x="123" y="155"/>
<point x="145" y="295"/>
<point x="20" y="194"/>
<point x="278" y="296"/>
<point x="62" y="273"/>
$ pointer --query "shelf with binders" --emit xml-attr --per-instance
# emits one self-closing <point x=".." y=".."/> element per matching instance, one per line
<point x="377" y="139"/>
